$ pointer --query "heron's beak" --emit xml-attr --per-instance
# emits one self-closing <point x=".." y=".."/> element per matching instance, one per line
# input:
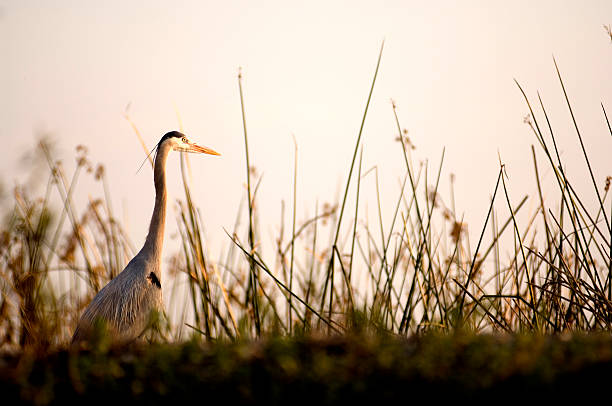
<point x="202" y="150"/>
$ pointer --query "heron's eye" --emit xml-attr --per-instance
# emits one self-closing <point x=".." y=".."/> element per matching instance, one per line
<point x="184" y="139"/>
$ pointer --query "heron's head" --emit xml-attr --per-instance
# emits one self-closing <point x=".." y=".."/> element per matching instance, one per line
<point x="180" y="142"/>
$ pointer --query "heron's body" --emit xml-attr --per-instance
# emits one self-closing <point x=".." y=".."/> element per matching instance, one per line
<point x="126" y="303"/>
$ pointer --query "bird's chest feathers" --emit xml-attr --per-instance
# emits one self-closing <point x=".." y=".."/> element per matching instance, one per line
<point x="152" y="272"/>
<point x="148" y="268"/>
<point x="154" y="280"/>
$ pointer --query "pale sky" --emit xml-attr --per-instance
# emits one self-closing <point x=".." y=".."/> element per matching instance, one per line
<point x="72" y="67"/>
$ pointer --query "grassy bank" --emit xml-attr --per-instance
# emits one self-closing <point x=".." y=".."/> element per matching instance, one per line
<point x="324" y="370"/>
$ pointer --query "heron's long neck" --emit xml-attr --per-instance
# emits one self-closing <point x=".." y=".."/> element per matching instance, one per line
<point x="155" y="239"/>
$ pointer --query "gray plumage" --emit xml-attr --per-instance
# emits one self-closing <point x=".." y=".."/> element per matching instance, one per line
<point x="126" y="303"/>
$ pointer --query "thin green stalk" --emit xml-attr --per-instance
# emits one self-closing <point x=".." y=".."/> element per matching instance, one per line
<point x="469" y="276"/>
<point x="586" y="157"/>
<point x="330" y="270"/>
<point x="314" y="253"/>
<point x="293" y="234"/>
<point x="529" y="280"/>
<point x="253" y="273"/>
<point x="356" y="217"/>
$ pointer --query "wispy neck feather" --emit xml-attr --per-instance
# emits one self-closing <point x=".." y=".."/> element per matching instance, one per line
<point x="155" y="239"/>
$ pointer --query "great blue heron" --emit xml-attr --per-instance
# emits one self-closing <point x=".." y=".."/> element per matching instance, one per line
<point x="126" y="302"/>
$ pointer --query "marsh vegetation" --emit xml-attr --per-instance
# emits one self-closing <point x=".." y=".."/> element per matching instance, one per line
<point x="335" y="274"/>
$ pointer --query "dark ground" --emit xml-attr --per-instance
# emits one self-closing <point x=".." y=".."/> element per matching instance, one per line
<point x="325" y="370"/>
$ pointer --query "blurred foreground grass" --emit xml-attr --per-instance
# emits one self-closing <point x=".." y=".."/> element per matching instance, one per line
<point x="323" y="370"/>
